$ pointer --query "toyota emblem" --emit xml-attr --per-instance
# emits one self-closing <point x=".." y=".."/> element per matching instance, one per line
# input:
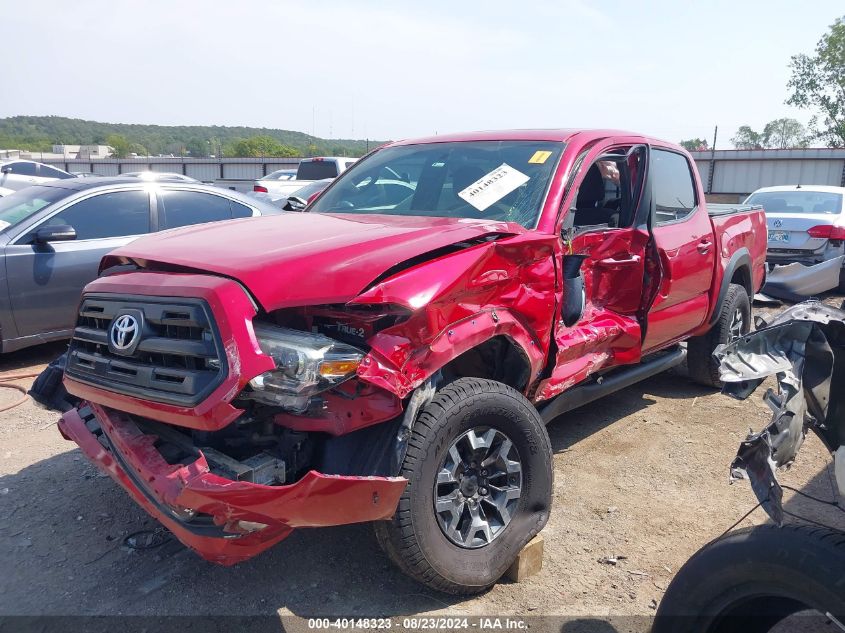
<point x="124" y="332"/>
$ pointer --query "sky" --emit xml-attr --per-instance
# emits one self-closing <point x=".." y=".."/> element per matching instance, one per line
<point x="392" y="70"/>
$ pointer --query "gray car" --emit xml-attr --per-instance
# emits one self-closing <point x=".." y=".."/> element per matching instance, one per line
<point x="19" y="174"/>
<point x="52" y="237"/>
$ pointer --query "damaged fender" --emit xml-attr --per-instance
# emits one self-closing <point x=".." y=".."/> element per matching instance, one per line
<point x="804" y="347"/>
<point x="456" y="304"/>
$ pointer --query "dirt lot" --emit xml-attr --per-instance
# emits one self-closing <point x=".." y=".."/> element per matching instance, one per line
<point x="642" y="475"/>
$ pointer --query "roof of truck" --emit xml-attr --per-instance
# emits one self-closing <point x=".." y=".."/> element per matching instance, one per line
<point x="559" y="135"/>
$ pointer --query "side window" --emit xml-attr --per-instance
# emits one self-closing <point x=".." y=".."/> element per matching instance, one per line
<point x="183" y="208"/>
<point x="602" y="198"/>
<point x="113" y="214"/>
<point x="23" y="169"/>
<point x="45" y="171"/>
<point x="672" y="186"/>
<point x="240" y="210"/>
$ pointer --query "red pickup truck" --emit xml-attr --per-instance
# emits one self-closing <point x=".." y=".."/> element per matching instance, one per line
<point x="393" y="354"/>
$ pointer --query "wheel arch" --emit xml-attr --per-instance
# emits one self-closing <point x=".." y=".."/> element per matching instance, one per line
<point x="737" y="271"/>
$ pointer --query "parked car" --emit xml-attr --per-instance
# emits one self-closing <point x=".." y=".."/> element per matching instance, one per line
<point x="156" y="176"/>
<point x="280" y="174"/>
<point x="309" y="169"/>
<point x="805" y="224"/>
<point x="297" y="199"/>
<point x="86" y="174"/>
<point x="19" y="174"/>
<point x="53" y="235"/>
<point x="394" y="354"/>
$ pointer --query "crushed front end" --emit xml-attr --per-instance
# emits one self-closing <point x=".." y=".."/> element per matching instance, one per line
<point x="230" y="429"/>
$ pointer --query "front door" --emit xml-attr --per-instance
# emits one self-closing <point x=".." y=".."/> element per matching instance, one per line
<point x="603" y="224"/>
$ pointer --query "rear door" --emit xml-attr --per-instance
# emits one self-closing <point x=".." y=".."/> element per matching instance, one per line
<point x="684" y="242"/>
<point x="46" y="280"/>
<point x="184" y="207"/>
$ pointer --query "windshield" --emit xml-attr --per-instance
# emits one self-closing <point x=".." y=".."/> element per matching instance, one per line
<point x="797" y="201"/>
<point x="22" y="204"/>
<point x="491" y="180"/>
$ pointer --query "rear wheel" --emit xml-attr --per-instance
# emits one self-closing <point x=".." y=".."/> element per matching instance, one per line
<point x="734" y="321"/>
<point x="479" y="487"/>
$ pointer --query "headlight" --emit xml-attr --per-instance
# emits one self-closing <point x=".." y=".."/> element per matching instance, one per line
<point x="306" y="364"/>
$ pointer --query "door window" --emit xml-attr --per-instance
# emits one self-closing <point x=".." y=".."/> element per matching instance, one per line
<point x="22" y="168"/>
<point x="51" y="172"/>
<point x="114" y="214"/>
<point x="184" y="208"/>
<point x="672" y="186"/>
<point x="240" y="210"/>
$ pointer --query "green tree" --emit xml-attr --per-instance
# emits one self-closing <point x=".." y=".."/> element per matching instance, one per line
<point x="137" y="148"/>
<point x="262" y="146"/>
<point x="694" y="145"/>
<point x="818" y="84"/>
<point x="119" y="144"/>
<point x="746" y="138"/>
<point x="784" y="134"/>
<point x="198" y="147"/>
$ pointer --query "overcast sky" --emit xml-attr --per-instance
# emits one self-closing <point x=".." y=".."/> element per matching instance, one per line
<point x="390" y="70"/>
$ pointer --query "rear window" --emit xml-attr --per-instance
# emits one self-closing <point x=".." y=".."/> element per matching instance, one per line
<point x="22" y="204"/>
<point x="797" y="201"/>
<point x="316" y="170"/>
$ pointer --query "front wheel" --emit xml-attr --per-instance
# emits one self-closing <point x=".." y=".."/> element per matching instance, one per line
<point x="734" y="321"/>
<point x="479" y="473"/>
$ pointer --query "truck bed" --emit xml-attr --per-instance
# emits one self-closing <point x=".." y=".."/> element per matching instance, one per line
<point x="714" y="209"/>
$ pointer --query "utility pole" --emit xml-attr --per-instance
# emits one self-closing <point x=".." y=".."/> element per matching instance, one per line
<point x="712" y="161"/>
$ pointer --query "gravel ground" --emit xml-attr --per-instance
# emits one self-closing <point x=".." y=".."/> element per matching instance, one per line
<point x="641" y="476"/>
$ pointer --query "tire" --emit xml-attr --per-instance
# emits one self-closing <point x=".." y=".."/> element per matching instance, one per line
<point x="755" y="577"/>
<point x="703" y="368"/>
<point x="414" y="538"/>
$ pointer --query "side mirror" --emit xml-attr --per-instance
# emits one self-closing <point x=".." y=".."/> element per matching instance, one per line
<point x="7" y="169"/>
<point x="295" y="203"/>
<point x="55" y="233"/>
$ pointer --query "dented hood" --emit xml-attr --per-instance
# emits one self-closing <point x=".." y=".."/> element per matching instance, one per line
<point x="299" y="259"/>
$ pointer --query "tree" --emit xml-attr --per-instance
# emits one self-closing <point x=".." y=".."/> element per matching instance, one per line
<point x="695" y="145"/>
<point x="138" y="149"/>
<point x="783" y="134"/>
<point x="746" y="138"/>
<point x="198" y="147"/>
<point x="262" y="146"/>
<point x="818" y="84"/>
<point x="119" y="144"/>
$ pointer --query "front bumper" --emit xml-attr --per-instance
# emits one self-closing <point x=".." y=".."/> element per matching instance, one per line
<point x="204" y="510"/>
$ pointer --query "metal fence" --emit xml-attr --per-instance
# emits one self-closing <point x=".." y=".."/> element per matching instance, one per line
<point x="232" y="173"/>
<point x="736" y="173"/>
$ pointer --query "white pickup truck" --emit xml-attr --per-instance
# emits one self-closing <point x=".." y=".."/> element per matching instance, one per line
<point x="309" y="170"/>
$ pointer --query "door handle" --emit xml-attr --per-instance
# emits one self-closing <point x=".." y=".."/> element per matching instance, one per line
<point x="612" y="262"/>
<point x="704" y="246"/>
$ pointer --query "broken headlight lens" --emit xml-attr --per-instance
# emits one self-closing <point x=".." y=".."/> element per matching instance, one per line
<point x="306" y="364"/>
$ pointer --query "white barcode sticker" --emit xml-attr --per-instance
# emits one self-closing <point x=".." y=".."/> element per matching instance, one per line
<point x="494" y="186"/>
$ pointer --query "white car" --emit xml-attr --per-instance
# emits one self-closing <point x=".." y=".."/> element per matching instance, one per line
<point x="19" y="174"/>
<point x="805" y="223"/>
<point x="309" y="170"/>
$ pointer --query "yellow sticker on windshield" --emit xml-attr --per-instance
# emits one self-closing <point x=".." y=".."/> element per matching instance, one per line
<point x="540" y="157"/>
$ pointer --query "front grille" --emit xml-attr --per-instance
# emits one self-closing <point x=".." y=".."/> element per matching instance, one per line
<point x="177" y="358"/>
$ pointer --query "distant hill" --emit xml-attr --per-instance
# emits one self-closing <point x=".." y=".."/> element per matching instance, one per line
<point x="39" y="133"/>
